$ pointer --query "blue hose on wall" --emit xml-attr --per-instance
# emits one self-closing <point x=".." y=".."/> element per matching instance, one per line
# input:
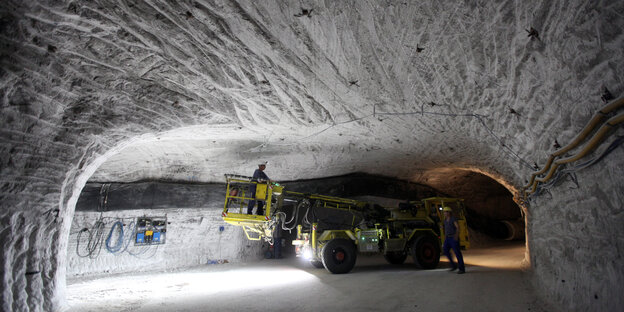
<point x="120" y="238"/>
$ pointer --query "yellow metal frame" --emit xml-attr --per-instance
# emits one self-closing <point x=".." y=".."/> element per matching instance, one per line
<point x="416" y="232"/>
<point x="261" y="191"/>
<point x="257" y="227"/>
<point x="259" y="232"/>
<point x="314" y="226"/>
<point x="264" y="192"/>
<point x="332" y="234"/>
<point x="330" y="201"/>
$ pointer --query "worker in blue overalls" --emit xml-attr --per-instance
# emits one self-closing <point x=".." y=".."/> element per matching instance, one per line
<point x="258" y="176"/>
<point x="451" y="240"/>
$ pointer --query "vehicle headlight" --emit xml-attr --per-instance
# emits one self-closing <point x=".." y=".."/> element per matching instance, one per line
<point x="307" y="254"/>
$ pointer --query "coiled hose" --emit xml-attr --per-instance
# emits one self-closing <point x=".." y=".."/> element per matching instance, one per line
<point x="120" y="238"/>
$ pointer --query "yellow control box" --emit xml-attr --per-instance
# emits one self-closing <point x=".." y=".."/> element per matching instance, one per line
<point x="261" y="191"/>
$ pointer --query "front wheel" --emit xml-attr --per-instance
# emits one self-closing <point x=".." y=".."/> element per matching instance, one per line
<point x="317" y="264"/>
<point x="426" y="252"/>
<point x="339" y="256"/>
<point x="395" y="257"/>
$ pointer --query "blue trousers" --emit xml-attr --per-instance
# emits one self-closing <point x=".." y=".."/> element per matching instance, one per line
<point x="252" y="203"/>
<point x="451" y="243"/>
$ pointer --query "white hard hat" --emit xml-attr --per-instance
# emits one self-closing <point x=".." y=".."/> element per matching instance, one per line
<point x="263" y="163"/>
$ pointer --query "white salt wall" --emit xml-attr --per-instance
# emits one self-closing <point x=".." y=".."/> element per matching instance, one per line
<point x="193" y="238"/>
<point x="576" y="235"/>
<point x="246" y="80"/>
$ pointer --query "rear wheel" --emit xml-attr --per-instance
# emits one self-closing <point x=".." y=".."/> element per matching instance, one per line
<point x="395" y="257"/>
<point x="339" y="256"/>
<point x="426" y="252"/>
<point x="317" y="264"/>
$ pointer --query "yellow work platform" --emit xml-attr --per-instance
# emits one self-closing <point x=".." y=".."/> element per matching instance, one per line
<point x="242" y="219"/>
<point x="255" y="227"/>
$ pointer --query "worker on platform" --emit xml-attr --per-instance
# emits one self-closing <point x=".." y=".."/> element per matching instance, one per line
<point x="451" y="240"/>
<point x="258" y="176"/>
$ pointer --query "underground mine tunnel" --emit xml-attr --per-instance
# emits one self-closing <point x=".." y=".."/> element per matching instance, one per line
<point x="121" y="119"/>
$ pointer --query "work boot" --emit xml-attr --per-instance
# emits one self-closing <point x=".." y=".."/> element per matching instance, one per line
<point x="461" y="272"/>
<point x="453" y="269"/>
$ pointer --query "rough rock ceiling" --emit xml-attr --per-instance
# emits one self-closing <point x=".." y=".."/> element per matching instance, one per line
<point x="318" y="88"/>
<point x="189" y="90"/>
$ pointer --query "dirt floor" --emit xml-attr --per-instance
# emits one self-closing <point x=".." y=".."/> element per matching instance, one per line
<point x="494" y="281"/>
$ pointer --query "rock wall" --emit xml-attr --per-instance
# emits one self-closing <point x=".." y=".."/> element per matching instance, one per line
<point x="576" y="239"/>
<point x="396" y="88"/>
<point x="193" y="238"/>
<point x="196" y="233"/>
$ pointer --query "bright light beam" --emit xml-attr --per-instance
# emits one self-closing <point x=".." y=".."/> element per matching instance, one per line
<point x="181" y="286"/>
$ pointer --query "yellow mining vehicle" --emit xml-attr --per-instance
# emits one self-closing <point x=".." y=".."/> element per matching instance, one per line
<point x="331" y="231"/>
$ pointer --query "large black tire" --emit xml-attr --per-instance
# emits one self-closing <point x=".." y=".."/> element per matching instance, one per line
<point x="396" y="257"/>
<point x="339" y="256"/>
<point x="426" y="251"/>
<point x="317" y="264"/>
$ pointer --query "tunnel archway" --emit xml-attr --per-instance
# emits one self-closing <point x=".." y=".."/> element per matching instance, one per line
<point x="491" y="201"/>
<point x="490" y="205"/>
<point x="354" y="185"/>
<point x="202" y="154"/>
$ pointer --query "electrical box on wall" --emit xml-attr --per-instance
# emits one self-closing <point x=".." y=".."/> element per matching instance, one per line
<point x="150" y="230"/>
